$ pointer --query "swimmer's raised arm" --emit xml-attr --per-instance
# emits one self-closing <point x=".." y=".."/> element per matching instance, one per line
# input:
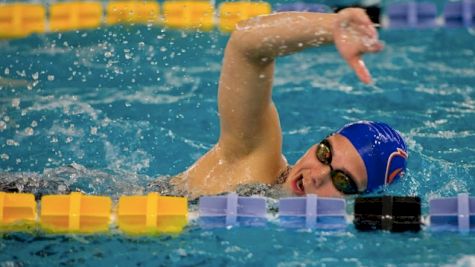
<point x="249" y="120"/>
<point x="284" y="33"/>
<point x="249" y="149"/>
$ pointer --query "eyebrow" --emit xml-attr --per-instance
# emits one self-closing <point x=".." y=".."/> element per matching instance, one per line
<point x="343" y="169"/>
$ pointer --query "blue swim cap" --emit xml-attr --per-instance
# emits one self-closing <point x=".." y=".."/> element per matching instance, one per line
<point x="382" y="149"/>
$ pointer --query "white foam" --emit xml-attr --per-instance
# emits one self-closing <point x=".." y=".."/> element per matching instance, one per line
<point x="70" y="105"/>
<point x="465" y="261"/>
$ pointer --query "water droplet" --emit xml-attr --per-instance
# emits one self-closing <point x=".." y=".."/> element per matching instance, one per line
<point x="21" y="73"/>
<point x="69" y="140"/>
<point x="7" y="71"/>
<point x="34" y="124"/>
<point x="50" y="78"/>
<point x="35" y="76"/>
<point x="16" y="102"/>
<point x="29" y="131"/>
<point x="11" y="142"/>
<point x="3" y="126"/>
<point x="4" y="156"/>
<point x="93" y="130"/>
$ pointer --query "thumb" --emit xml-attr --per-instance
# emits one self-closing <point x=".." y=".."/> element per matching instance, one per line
<point x="358" y="66"/>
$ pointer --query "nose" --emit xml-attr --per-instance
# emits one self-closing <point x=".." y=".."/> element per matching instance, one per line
<point x="321" y="174"/>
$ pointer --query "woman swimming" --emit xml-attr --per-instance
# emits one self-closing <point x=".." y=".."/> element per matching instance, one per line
<point x="248" y="158"/>
<point x="358" y="158"/>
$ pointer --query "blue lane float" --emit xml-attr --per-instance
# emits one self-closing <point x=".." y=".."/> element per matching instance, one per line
<point x="313" y="212"/>
<point x="459" y="14"/>
<point x="308" y="7"/>
<point x="412" y="15"/>
<point x="453" y="213"/>
<point x="232" y="210"/>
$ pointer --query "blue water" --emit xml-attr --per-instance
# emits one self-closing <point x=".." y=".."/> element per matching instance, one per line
<point x="109" y="110"/>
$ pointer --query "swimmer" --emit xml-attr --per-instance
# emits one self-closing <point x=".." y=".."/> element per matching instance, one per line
<point x="358" y="158"/>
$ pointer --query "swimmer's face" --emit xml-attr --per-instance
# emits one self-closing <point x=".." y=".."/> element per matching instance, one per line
<point x="310" y="176"/>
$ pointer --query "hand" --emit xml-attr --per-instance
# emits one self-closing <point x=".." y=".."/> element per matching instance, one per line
<point x="355" y="35"/>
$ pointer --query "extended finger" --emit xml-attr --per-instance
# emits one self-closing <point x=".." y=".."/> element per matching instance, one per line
<point x="358" y="66"/>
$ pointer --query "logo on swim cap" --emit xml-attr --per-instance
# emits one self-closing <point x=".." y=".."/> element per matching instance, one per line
<point x="382" y="149"/>
<point x="395" y="166"/>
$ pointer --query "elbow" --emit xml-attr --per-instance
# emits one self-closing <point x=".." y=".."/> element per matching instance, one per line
<point x="237" y="42"/>
<point x="247" y="44"/>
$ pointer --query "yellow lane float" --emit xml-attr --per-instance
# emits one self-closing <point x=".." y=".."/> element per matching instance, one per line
<point x="188" y="15"/>
<point x="152" y="214"/>
<point x="75" y="213"/>
<point x="69" y="16"/>
<point x="145" y="12"/>
<point x="21" y="19"/>
<point x="17" y="211"/>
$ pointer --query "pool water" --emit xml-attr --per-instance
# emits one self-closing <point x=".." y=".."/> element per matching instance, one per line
<point x="109" y="110"/>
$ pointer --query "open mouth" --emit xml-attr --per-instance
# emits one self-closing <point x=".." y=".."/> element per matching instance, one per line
<point x="298" y="186"/>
